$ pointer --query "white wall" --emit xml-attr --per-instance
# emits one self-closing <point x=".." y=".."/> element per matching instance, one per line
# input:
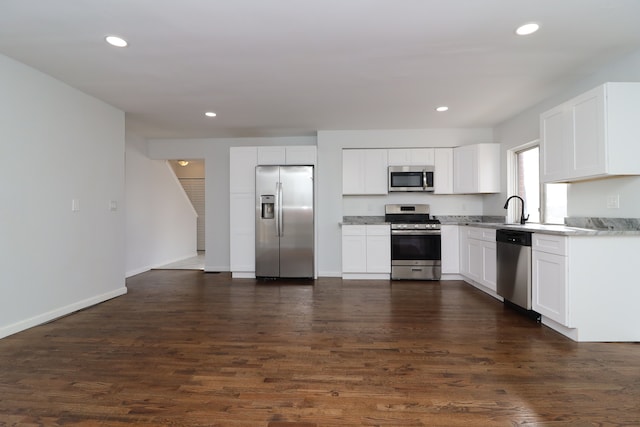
<point x="215" y="152"/>
<point x="587" y="198"/>
<point x="331" y="205"/>
<point x="57" y="144"/>
<point x="160" y="220"/>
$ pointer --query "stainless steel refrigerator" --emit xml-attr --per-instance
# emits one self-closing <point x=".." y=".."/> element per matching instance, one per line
<point x="284" y="221"/>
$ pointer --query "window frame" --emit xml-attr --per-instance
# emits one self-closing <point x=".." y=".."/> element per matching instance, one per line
<point x="512" y="180"/>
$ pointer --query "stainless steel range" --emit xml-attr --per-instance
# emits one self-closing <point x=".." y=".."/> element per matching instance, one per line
<point x="415" y="243"/>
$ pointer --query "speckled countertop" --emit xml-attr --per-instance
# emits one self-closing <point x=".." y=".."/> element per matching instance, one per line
<point x="574" y="226"/>
<point x="363" y="220"/>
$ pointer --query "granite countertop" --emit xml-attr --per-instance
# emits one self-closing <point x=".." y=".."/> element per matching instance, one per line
<point x="574" y="226"/>
<point x="363" y="220"/>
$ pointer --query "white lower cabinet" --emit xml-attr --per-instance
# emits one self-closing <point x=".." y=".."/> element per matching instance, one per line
<point x="550" y="277"/>
<point x="586" y="287"/>
<point x="366" y="251"/>
<point x="478" y="256"/>
<point x="550" y="286"/>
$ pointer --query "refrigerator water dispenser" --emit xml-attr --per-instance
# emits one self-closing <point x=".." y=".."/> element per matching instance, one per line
<point x="267" y="206"/>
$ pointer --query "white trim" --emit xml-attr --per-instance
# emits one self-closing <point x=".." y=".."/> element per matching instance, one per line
<point x="366" y="276"/>
<point x="330" y="274"/>
<point x="59" y="312"/>
<point x="512" y="179"/>
<point x="243" y="275"/>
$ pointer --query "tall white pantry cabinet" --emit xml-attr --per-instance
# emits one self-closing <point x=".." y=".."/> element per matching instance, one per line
<point x="242" y="189"/>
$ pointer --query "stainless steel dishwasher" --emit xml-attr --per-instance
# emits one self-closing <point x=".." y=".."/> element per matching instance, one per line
<point x="514" y="266"/>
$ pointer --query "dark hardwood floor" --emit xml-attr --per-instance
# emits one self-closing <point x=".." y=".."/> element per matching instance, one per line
<point x="186" y="348"/>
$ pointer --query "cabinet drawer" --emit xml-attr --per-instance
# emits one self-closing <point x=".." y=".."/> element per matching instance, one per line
<point x="378" y="230"/>
<point x="354" y="230"/>
<point x="486" y="234"/>
<point x="549" y="243"/>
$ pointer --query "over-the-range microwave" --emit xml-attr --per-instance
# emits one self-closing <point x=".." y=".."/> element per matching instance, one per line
<point x="410" y="178"/>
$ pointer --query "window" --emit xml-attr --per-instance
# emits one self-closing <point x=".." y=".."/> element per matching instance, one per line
<point x="543" y="203"/>
<point x="528" y="181"/>
<point x="555" y="206"/>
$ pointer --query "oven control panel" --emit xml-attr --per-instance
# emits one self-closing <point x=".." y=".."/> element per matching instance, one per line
<point x="417" y="226"/>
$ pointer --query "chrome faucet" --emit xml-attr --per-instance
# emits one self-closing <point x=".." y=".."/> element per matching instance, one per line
<point x="522" y="218"/>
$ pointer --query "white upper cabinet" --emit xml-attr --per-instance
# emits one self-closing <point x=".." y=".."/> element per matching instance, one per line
<point x="242" y="169"/>
<point x="364" y="171"/>
<point x="411" y="157"/>
<point x="476" y="169"/>
<point x="289" y="155"/>
<point x="593" y="135"/>
<point x="301" y="155"/>
<point x="272" y="155"/>
<point x="443" y="171"/>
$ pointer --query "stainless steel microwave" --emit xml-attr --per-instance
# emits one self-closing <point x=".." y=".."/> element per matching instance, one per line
<point x="410" y="178"/>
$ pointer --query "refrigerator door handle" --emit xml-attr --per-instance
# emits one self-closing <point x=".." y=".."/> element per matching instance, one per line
<point x="280" y="217"/>
<point x="277" y="209"/>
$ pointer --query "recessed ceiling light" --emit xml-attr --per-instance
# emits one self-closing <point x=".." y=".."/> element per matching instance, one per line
<point x="526" y="29"/>
<point x="442" y="108"/>
<point x="116" y="41"/>
<point x="210" y="114"/>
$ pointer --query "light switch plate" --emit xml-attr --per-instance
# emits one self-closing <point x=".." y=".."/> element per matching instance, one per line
<point x="613" y="201"/>
<point x="75" y="205"/>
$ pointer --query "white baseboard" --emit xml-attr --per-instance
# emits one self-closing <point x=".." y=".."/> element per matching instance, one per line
<point x="137" y="271"/>
<point x="366" y="276"/>
<point x="330" y="274"/>
<point x="216" y="268"/>
<point x="59" y="312"/>
<point x="243" y="275"/>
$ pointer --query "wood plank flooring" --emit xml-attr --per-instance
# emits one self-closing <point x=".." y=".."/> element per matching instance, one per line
<point x="186" y="348"/>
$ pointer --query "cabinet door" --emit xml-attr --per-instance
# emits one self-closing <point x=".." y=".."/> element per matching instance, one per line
<point x="554" y="129"/>
<point x="443" y="171"/>
<point x="399" y="157"/>
<point x="464" y="251"/>
<point x="588" y="143"/>
<point x="242" y="245"/>
<point x="353" y="174"/>
<point x="489" y="267"/>
<point x="378" y="254"/>
<point x="476" y="259"/>
<point x="271" y="155"/>
<point x="301" y="155"/>
<point x="487" y="168"/>
<point x="364" y="172"/>
<point x="465" y="170"/>
<point x="242" y="169"/>
<point x="450" y="249"/>
<point x="378" y="249"/>
<point x="354" y="252"/>
<point x="550" y="286"/>
<point x="376" y="172"/>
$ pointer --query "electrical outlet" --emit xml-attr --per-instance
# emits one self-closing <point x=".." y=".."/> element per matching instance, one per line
<point x="613" y="201"/>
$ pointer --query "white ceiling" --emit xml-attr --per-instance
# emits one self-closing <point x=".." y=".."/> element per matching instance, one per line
<point x="291" y="67"/>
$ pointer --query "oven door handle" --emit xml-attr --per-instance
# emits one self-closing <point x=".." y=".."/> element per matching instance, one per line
<point x="416" y="232"/>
